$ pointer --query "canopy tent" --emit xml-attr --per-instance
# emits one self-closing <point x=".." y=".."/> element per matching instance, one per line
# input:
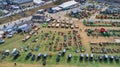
<point x="68" y="4"/>
<point x="38" y="1"/>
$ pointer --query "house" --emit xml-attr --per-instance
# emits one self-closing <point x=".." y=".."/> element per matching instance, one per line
<point x="38" y="18"/>
<point x="22" y="3"/>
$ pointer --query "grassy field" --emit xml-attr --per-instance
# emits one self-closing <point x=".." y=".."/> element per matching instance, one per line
<point x="16" y="42"/>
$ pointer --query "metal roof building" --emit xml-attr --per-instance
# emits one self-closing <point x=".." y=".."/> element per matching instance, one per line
<point x="21" y="1"/>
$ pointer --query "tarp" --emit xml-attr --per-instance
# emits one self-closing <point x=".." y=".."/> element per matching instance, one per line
<point x="68" y="4"/>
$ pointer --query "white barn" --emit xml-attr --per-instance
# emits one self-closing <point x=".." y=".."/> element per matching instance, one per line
<point x="68" y="4"/>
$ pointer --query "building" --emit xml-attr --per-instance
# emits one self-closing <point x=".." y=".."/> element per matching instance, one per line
<point x="21" y="3"/>
<point x="68" y="5"/>
<point x="81" y="1"/>
<point x="38" y="18"/>
<point x="3" y="4"/>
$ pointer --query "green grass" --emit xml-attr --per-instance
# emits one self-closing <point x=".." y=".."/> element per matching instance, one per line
<point x="16" y="42"/>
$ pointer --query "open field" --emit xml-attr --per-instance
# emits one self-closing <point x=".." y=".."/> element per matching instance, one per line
<point x="16" y="42"/>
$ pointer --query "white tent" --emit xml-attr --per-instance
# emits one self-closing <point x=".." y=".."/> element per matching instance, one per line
<point x="38" y="1"/>
<point x="68" y="4"/>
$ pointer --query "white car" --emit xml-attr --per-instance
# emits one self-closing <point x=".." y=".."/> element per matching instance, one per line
<point x="9" y="35"/>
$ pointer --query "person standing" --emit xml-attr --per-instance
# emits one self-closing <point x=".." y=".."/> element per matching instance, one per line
<point x="15" y="64"/>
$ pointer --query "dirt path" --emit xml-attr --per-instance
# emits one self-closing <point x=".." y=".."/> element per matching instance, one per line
<point x="6" y="64"/>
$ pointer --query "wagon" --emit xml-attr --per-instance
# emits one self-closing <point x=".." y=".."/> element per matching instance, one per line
<point x="105" y="57"/>
<point x="76" y="26"/>
<point x="33" y="58"/>
<point x="49" y="26"/>
<point x="81" y="57"/>
<point x="15" y="53"/>
<point x="39" y="57"/>
<point x="58" y="58"/>
<point x="28" y="56"/>
<point x="111" y="58"/>
<point x="45" y="56"/>
<point x="72" y="26"/>
<point x="62" y="25"/>
<point x="100" y="57"/>
<point x="57" y="25"/>
<point x="67" y="26"/>
<point x="69" y="57"/>
<point x="63" y="52"/>
<point x="26" y="38"/>
<point x="91" y="57"/>
<point x="116" y="58"/>
<point x="87" y="56"/>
